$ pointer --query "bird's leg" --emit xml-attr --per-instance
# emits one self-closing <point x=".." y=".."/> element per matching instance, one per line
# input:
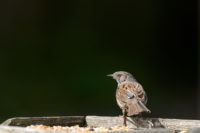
<point x="124" y="116"/>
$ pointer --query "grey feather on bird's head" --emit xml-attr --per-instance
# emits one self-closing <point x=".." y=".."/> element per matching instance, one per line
<point x="122" y="77"/>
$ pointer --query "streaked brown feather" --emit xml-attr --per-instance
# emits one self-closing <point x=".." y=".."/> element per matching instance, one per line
<point x="133" y="105"/>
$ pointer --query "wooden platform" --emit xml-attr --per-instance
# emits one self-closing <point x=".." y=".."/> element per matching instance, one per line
<point x="142" y="125"/>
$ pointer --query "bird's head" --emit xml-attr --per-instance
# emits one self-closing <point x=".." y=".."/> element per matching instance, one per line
<point x="122" y="77"/>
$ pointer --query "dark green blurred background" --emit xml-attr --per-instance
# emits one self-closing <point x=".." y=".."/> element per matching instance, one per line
<point x="55" y="55"/>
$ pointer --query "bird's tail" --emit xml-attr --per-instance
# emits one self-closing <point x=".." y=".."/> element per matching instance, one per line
<point x="137" y="108"/>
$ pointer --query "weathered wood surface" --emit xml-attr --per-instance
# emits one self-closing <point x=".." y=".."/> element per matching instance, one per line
<point x="194" y="130"/>
<point x="135" y="123"/>
<point x="49" y="121"/>
<point x="179" y="124"/>
<point x="138" y="123"/>
<point x="103" y="121"/>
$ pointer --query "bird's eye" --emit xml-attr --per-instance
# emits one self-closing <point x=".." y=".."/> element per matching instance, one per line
<point x="118" y="75"/>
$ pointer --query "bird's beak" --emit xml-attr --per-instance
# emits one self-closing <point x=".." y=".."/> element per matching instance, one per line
<point x="110" y="75"/>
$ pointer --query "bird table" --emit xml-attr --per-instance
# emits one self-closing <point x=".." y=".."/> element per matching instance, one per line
<point x="96" y="124"/>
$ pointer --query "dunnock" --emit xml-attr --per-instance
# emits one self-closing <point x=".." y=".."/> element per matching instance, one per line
<point x="130" y="94"/>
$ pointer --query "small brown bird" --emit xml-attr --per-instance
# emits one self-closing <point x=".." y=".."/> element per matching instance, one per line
<point x="130" y="95"/>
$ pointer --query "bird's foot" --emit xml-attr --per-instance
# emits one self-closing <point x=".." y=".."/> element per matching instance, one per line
<point x="150" y="124"/>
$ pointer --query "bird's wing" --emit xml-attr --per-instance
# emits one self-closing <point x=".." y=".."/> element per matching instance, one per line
<point x="121" y="96"/>
<point x="135" y="90"/>
<point x="130" y="94"/>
